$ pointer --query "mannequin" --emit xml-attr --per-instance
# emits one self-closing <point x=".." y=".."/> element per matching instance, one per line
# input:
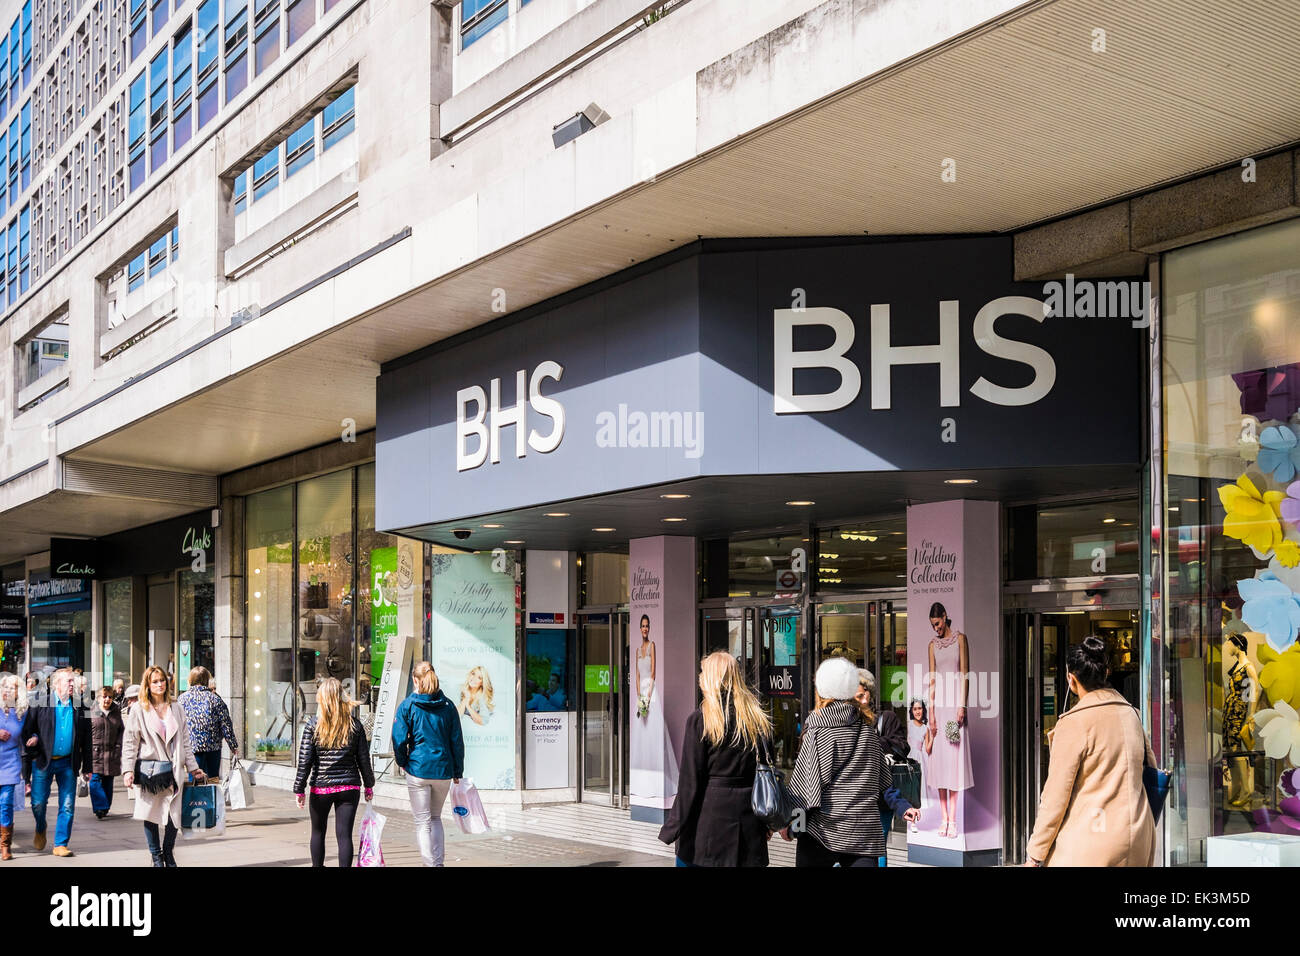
<point x="1240" y="698"/>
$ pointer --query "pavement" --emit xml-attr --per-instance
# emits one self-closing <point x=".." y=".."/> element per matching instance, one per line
<point x="274" y="832"/>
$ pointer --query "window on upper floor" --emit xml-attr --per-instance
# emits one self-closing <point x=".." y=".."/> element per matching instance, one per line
<point x="43" y="351"/>
<point x="266" y="174"/>
<point x="208" y="64"/>
<point x="135" y="273"/>
<point x="300" y="148"/>
<point x="135" y="289"/>
<point x="139" y="26"/>
<point x="339" y="119"/>
<point x="158" y="255"/>
<point x="477" y="17"/>
<point x="158" y="110"/>
<point x="302" y="14"/>
<point x="160" y="15"/>
<point x="27" y="43"/>
<point x="182" y="96"/>
<point x="15" y="57"/>
<point x="15" y="161"/>
<point x="236" y="47"/>
<point x="4" y="74"/>
<point x="4" y="182"/>
<point x="24" y="248"/>
<point x="241" y="192"/>
<point x="11" y="271"/>
<point x="27" y="144"/>
<point x="136" y="129"/>
<point x="266" y="33"/>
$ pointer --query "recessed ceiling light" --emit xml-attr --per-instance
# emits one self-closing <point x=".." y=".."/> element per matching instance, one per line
<point x="1174" y="508"/>
<point x="514" y="542"/>
<point x="801" y="504"/>
<point x="674" y="497"/>
<point x="556" y="514"/>
<point x="1107" y="520"/>
<point x="490" y="526"/>
<point x="674" y="519"/>
<point x="604" y="529"/>
<point x="961" y="481"/>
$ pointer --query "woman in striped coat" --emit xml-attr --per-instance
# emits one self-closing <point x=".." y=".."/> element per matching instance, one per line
<point x="840" y="777"/>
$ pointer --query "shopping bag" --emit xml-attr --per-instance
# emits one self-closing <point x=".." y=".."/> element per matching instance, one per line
<point x="238" y="787"/>
<point x="907" y="779"/>
<point x="468" y="807"/>
<point x="83" y="787"/>
<point x="199" y="803"/>
<point x="371" y="851"/>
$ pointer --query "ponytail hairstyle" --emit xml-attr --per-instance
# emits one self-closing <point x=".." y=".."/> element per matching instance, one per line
<point x="1089" y="662"/>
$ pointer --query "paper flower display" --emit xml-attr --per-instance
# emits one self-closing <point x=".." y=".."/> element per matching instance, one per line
<point x="1271" y="608"/>
<point x="1290" y="507"/>
<point x="1279" y="729"/>
<point x="1253" y="519"/>
<point x="1280" y="674"/>
<point x="1279" y="452"/>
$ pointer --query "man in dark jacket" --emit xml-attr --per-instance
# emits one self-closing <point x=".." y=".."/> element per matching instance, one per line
<point x="56" y="740"/>
<point x="106" y="731"/>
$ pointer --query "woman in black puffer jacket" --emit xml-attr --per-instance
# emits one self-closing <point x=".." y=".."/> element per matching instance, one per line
<point x="335" y="754"/>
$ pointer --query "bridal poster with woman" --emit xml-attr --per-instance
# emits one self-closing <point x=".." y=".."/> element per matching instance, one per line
<point x="473" y="618"/>
<point x="953" y="655"/>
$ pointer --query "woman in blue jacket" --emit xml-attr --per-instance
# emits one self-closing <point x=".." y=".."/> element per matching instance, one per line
<point x="428" y="746"/>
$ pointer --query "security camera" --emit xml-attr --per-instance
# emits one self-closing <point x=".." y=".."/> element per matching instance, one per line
<point x="461" y="533"/>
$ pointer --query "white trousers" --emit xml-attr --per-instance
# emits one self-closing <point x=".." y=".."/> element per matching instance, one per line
<point x="427" y="798"/>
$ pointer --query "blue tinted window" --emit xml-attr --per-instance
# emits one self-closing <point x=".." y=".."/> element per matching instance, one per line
<point x="241" y="192"/>
<point x="266" y="174"/>
<point x="135" y="273"/>
<point x="339" y="119"/>
<point x="477" y="17"/>
<point x="300" y="149"/>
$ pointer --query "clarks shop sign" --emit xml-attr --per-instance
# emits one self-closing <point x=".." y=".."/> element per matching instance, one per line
<point x="184" y="542"/>
<point x="901" y="355"/>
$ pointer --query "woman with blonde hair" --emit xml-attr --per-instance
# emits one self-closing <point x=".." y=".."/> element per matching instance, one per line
<point x="711" y="821"/>
<point x="335" y="754"/>
<point x="429" y="747"/>
<point x="156" y="752"/>
<point x="476" y="698"/>
<point x="13" y="706"/>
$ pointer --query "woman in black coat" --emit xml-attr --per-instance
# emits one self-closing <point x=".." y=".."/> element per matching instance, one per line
<point x="711" y="821"/>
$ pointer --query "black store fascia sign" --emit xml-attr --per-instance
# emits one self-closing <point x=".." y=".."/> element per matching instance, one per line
<point x="153" y="549"/>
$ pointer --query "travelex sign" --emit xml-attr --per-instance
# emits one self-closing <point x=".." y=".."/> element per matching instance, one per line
<point x="857" y="357"/>
<point x="483" y="419"/>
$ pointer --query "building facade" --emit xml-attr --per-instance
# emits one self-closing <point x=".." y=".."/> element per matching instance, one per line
<point x="564" y="342"/>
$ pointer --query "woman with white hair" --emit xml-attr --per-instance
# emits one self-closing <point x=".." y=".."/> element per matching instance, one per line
<point x="13" y="705"/>
<point x="840" y="777"/>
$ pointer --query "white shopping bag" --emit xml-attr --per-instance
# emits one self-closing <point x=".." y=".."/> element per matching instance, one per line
<point x="371" y="851"/>
<point x="238" y="787"/>
<point x="468" y="807"/>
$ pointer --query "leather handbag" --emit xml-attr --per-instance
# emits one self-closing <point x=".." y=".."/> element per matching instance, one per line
<point x="154" y="776"/>
<point x="769" y="800"/>
<point x="906" y="776"/>
<point x="1156" y="783"/>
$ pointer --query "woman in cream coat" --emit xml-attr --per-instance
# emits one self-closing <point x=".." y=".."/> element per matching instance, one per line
<point x="1094" y="809"/>
<point x="155" y="731"/>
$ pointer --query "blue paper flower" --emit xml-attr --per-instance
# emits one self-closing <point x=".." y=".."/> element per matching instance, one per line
<point x="1279" y="452"/>
<point x="1271" y="608"/>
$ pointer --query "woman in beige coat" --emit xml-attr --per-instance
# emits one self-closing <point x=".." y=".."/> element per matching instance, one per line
<point x="1094" y="809"/>
<point x="155" y="754"/>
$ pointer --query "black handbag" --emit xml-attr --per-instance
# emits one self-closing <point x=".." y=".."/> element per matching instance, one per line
<point x="907" y="779"/>
<point x="1156" y="783"/>
<point x="160" y="782"/>
<point x="770" y="800"/>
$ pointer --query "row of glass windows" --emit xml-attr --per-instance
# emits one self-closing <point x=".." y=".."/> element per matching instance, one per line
<point x="15" y="273"/>
<point x="16" y="159"/>
<point x="154" y="260"/>
<point x="181" y="79"/>
<point x="334" y="124"/>
<point x="16" y="50"/>
<point x="478" y="17"/>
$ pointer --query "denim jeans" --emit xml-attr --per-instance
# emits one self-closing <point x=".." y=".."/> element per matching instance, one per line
<point x="7" y="794"/>
<point x="427" y="798"/>
<point x="101" y="793"/>
<point x="209" y="762"/>
<point x="61" y="771"/>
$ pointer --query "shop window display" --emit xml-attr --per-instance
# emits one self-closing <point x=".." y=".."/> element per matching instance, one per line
<point x="268" y="654"/>
<point x="118" y="659"/>
<point x="1232" y="546"/>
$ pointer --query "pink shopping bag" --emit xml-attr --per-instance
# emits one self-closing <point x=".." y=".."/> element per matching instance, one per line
<point x="371" y="852"/>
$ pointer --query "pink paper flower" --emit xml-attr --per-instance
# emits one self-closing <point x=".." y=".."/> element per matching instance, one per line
<point x="1290" y="506"/>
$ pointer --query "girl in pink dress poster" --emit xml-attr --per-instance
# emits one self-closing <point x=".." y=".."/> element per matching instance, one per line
<point x="947" y="740"/>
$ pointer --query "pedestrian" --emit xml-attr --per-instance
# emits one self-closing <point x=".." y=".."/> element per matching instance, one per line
<point x="335" y="755"/>
<point x="893" y="736"/>
<point x="79" y="684"/>
<point x="1094" y="773"/>
<point x="208" y="720"/>
<point x="156" y="753"/>
<point x="56" y="736"/>
<point x="840" y="778"/>
<point x="712" y="821"/>
<point x="33" y="683"/>
<point x="106" y="730"/>
<point x="13" y="705"/>
<point x="430" y="749"/>
<point x="129" y="699"/>
<point x="119" y="691"/>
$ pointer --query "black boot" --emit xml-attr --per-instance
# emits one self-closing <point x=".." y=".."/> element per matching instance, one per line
<point x="169" y="845"/>
<point x="158" y="859"/>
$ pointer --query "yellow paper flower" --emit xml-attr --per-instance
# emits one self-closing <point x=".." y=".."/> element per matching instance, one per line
<point x="1254" y="519"/>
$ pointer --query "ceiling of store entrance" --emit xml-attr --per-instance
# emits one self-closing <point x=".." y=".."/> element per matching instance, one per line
<point x="740" y="505"/>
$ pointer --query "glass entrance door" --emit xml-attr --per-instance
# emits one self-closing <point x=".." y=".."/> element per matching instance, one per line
<point x="602" y="638"/>
<point x="780" y="680"/>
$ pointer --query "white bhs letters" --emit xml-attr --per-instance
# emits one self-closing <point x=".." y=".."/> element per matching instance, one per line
<point x="945" y="354"/>
<point x="488" y="420"/>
